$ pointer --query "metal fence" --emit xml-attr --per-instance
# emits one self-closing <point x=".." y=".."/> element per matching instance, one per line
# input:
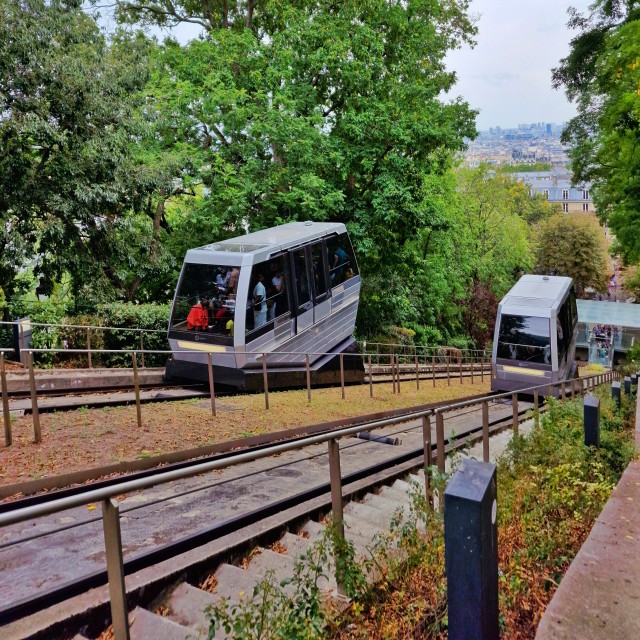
<point x="417" y="368"/>
<point x="110" y="507"/>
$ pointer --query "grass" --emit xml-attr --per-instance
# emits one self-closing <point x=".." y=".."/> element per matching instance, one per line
<point x="88" y="438"/>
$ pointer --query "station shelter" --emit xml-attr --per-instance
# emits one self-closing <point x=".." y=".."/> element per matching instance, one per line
<point x="606" y="330"/>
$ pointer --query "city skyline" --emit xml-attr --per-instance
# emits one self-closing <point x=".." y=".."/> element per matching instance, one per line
<point x="507" y="76"/>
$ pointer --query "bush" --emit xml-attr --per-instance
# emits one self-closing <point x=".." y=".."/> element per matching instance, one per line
<point x="128" y="316"/>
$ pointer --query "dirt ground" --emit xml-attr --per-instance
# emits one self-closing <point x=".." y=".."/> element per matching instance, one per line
<point x="88" y="438"/>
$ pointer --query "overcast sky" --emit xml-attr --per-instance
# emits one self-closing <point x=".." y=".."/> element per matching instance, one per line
<point x="507" y="76"/>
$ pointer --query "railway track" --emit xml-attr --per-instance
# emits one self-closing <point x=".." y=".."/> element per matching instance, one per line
<point x="60" y="395"/>
<point x="256" y="501"/>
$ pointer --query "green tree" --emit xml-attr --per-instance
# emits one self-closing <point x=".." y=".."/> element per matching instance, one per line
<point x="573" y="246"/>
<point x="65" y="135"/>
<point x="602" y="75"/>
<point x="492" y="244"/>
<point x="316" y="110"/>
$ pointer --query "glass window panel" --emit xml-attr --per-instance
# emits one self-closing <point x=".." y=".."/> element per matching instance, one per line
<point x="525" y="338"/>
<point x="268" y="298"/>
<point x="206" y="299"/>
<point x="342" y="261"/>
<point x="302" y="279"/>
<point x="319" y="274"/>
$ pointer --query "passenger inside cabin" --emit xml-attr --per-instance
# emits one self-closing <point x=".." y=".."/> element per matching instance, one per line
<point x="222" y="280"/>
<point x="259" y="303"/>
<point x="232" y="285"/>
<point x="277" y="284"/>
<point x="339" y="259"/>
<point x="198" y="318"/>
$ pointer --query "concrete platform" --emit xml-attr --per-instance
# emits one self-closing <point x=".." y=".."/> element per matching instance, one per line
<point x="114" y="398"/>
<point x="69" y="380"/>
<point x="599" y="596"/>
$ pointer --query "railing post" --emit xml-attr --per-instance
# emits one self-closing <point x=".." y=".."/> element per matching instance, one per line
<point x="89" y="348"/>
<point x="440" y="441"/>
<point x="482" y="368"/>
<point x="536" y="409"/>
<point x="417" y="374"/>
<point x="448" y="374"/>
<point x="306" y="361"/>
<point x="392" y="364"/>
<point x="460" y="365"/>
<point x="370" y="379"/>
<point x="5" y="402"/>
<point x="398" y="371"/>
<point x="142" y="349"/>
<point x="136" y="388"/>
<point x="514" y="408"/>
<point x="428" y="457"/>
<point x="471" y="552"/>
<point x="573" y="389"/>
<point x="37" y="433"/>
<point x="336" y="504"/>
<point x="342" y="375"/>
<point x="212" y="389"/>
<point x="485" y="431"/>
<point x="433" y="370"/>
<point x="471" y="370"/>
<point x="563" y="394"/>
<point x="265" y="381"/>
<point x="115" y="569"/>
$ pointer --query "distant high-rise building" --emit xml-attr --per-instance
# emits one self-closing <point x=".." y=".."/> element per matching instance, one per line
<point x="548" y="128"/>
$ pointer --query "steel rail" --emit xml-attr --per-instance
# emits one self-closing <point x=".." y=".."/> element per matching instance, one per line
<point x="30" y="605"/>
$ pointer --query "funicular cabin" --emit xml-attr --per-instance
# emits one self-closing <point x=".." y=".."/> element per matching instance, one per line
<point x="287" y="292"/>
<point x="535" y="334"/>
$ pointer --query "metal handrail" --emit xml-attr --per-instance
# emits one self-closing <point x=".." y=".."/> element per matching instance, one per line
<point x="20" y="515"/>
<point x="111" y="518"/>
<point x="79" y="326"/>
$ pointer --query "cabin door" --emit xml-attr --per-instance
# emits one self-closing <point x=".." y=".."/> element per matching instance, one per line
<point x="319" y="281"/>
<point x="303" y="294"/>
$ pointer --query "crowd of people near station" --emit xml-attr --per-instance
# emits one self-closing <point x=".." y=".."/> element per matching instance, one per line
<point x="603" y="337"/>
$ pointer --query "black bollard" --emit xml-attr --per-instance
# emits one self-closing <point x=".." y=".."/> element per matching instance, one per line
<point x="627" y="385"/>
<point x="592" y="421"/>
<point x="471" y="552"/>
<point x="615" y="394"/>
<point x="634" y="382"/>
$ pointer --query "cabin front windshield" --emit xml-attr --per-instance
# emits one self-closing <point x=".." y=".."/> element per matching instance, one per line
<point x="206" y="299"/>
<point x="525" y="338"/>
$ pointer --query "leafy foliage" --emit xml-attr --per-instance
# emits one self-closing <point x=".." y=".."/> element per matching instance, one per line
<point x="64" y="134"/>
<point x="602" y="75"/>
<point x="571" y="246"/>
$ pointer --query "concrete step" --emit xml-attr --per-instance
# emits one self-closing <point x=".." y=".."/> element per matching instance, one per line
<point x="234" y="584"/>
<point x="398" y="495"/>
<point x="384" y="504"/>
<point x="269" y="561"/>
<point x="377" y="518"/>
<point x="187" y="606"/>
<point x="144" y="625"/>
<point x="314" y="529"/>
<point x="296" y="545"/>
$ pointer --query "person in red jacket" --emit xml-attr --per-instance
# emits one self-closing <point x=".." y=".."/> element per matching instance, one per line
<point x="198" y="317"/>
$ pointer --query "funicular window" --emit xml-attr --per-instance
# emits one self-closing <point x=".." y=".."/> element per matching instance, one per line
<point x="342" y="261"/>
<point x="302" y="279"/>
<point x="318" y="269"/>
<point x="206" y="299"/>
<point x="525" y="338"/>
<point x="268" y="297"/>
<point x="563" y="330"/>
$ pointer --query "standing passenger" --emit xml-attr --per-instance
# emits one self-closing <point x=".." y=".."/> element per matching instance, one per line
<point x="259" y="303"/>
<point x="233" y="280"/>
